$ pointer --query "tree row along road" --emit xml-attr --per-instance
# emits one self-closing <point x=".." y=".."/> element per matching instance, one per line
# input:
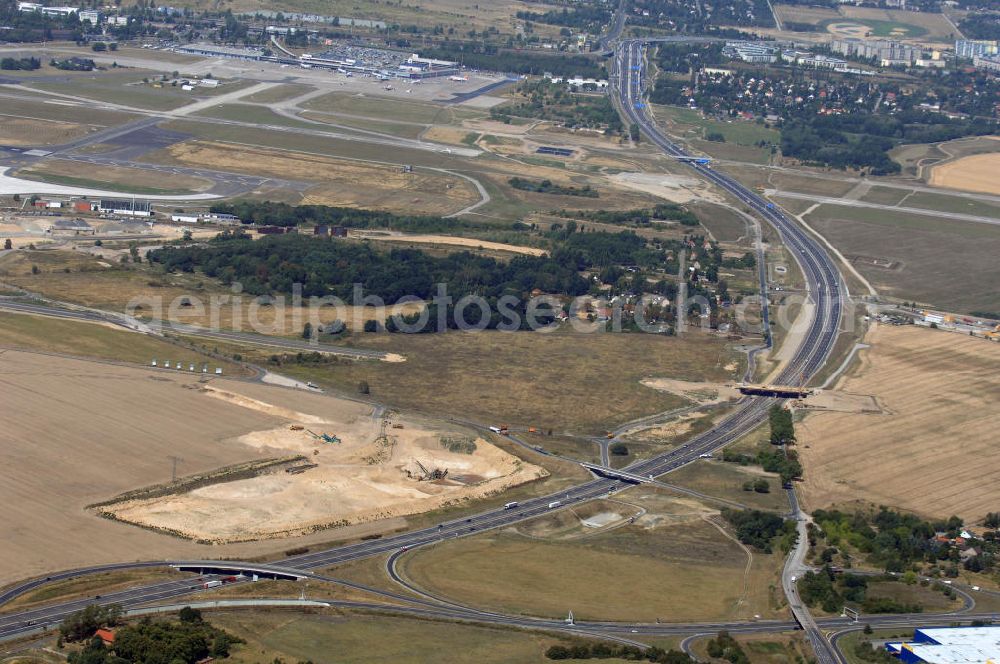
<point x="823" y="285"/>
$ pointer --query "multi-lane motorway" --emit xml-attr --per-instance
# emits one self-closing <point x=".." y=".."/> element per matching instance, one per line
<point x="823" y="284"/>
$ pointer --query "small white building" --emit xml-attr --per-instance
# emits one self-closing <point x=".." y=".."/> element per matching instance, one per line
<point x="185" y="218"/>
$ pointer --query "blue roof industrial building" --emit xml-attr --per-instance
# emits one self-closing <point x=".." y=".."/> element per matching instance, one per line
<point x="950" y="645"/>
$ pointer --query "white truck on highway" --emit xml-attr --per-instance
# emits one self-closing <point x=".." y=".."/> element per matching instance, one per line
<point x="510" y="505"/>
<point x="554" y="503"/>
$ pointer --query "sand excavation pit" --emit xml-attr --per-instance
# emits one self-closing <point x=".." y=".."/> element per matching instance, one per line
<point x="364" y="471"/>
<point x="675" y="188"/>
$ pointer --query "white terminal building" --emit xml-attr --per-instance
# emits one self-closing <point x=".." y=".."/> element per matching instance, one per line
<point x="950" y="645"/>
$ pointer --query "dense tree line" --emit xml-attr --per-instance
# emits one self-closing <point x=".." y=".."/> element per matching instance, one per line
<point x="782" y="429"/>
<point x="549" y="187"/>
<point x="981" y="26"/>
<point x="724" y="646"/>
<point x="35" y="26"/>
<point x="189" y="640"/>
<point x="603" y="650"/>
<point x="270" y="213"/>
<point x="603" y="249"/>
<point x="583" y="18"/>
<point x="83" y="623"/>
<point x="679" y="16"/>
<point x="20" y="64"/>
<point x="73" y="64"/>
<point x="484" y="56"/>
<point x="757" y="528"/>
<point x="638" y="217"/>
<point x="327" y="266"/>
<point x="895" y="541"/>
<point x="834" y="148"/>
<point x="832" y="591"/>
<point x="680" y="58"/>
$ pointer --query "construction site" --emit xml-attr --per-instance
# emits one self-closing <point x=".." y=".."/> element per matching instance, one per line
<point x="359" y="466"/>
<point x="211" y="465"/>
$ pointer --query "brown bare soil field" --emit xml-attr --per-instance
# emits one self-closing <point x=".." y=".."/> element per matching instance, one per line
<point x="30" y="131"/>
<point x="113" y="175"/>
<point x="344" y="182"/>
<point x="79" y="432"/>
<point x="973" y="173"/>
<point x="932" y="451"/>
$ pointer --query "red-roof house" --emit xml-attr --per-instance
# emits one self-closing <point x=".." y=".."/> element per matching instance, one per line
<point x="106" y="635"/>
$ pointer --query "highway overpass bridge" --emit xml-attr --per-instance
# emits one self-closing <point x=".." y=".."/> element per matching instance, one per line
<point x="252" y="570"/>
<point x="778" y="391"/>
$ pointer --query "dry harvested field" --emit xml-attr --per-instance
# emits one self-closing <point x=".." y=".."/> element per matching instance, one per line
<point x="800" y="14"/>
<point x="566" y="381"/>
<point x="16" y="130"/>
<point x="375" y="639"/>
<point x="73" y="172"/>
<point x="79" y="432"/>
<point x="974" y="173"/>
<point x="339" y="181"/>
<point x="935" y="27"/>
<point x="932" y="451"/>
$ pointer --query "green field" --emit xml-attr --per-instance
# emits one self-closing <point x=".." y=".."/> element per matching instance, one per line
<point x="921" y="251"/>
<point x="724" y="224"/>
<point x="124" y="88"/>
<point x="725" y="480"/>
<point x="960" y="204"/>
<point x="322" y="145"/>
<point x="99" y="184"/>
<point x="741" y="136"/>
<point x="887" y="196"/>
<point x="327" y="636"/>
<point x="84" y="114"/>
<point x="381" y="108"/>
<point x="682" y="570"/>
<point x="367" y="124"/>
<point x="278" y="93"/>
